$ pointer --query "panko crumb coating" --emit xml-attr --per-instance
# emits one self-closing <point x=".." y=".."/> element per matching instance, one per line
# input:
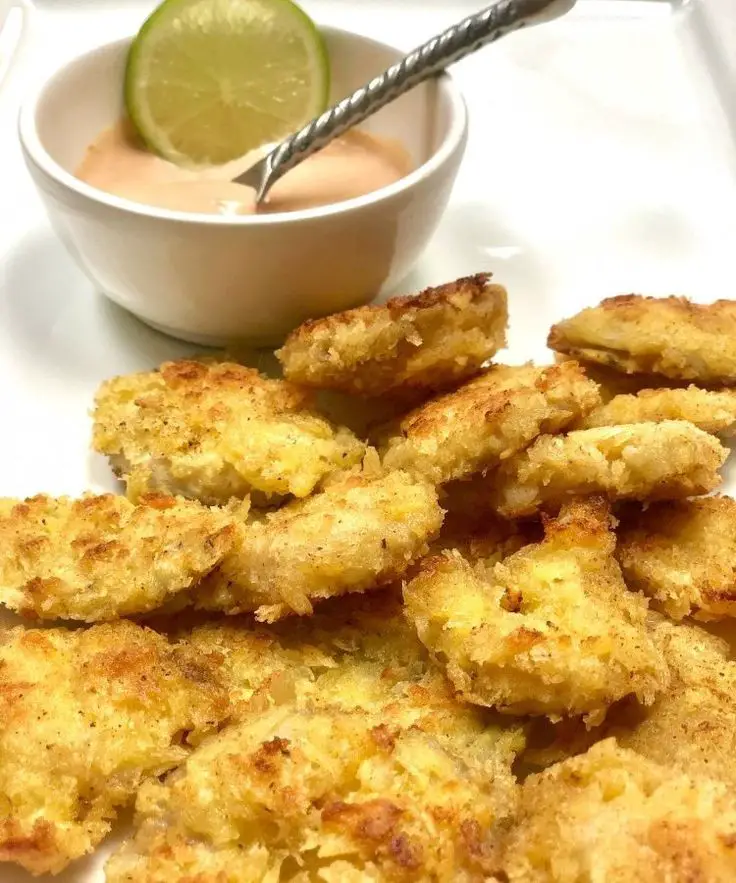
<point x="362" y="531"/>
<point x="692" y="725"/>
<point x="101" y="557"/>
<point x="612" y="382"/>
<point x="713" y="411"/>
<point x="86" y="715"/>
<point x="407" y="346"/>
<point x="612" y="815"/>
<point x="351" y="761"/>
<point x="642" y="461"/>
<point x="216" y="430"/>
<point x="551" y="629"/>
<point x="682" y="554"/>
<point x="670" y="336"/>
<point x="488" y="419"/>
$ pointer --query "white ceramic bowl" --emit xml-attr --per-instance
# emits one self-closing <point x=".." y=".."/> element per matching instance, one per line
<point x="216" y="280"/>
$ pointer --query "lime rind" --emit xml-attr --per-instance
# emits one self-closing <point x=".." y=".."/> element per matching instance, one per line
<point x="197" y="85"/>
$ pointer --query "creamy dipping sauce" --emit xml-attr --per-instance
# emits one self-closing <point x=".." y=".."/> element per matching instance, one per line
<point x="353" y="165"/>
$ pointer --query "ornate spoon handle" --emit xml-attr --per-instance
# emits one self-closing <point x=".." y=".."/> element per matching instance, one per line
<point x="500" y="18"/>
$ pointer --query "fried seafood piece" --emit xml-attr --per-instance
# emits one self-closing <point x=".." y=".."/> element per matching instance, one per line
<point x="669" y="336"/>
<point x="643" y="461"/>
<point x="355" y="652"/>
<point x="351" y="760"/>
<point x="315" y="654"/>
<point x="550" y="630"/>
<point x="683" y="555"/>
<point x="612" y="815"/>
<point x="86" y="716"/>
<point x="407" y="346"/>
<point x="216" y="430"/>
<point x="711" y="410"/>
<point x="692" y="725"/>
<point x="362" y="531"/>
<point x="488" y="419"/>
<point x="317" y="794"/>
<point x="358" y="653"/>
<point x="102" y="557"/>
<point x="613" y="383"/>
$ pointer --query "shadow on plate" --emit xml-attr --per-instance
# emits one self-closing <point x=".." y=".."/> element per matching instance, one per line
<point x="68" y="333"/>
<point x="74" y="334"/>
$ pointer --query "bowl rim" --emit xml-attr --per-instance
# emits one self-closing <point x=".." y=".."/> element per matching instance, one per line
<point x="37" y="154"/>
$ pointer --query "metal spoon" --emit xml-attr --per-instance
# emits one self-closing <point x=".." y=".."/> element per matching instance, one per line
<point x="500" y="18"/>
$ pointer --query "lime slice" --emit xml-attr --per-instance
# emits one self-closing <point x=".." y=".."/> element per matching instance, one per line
<point x="209" y="80"/>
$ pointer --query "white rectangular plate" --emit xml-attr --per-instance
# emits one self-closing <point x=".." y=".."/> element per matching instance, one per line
<point x="600" y="162"/>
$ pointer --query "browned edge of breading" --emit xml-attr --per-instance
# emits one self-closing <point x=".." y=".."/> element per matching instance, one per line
<point x="396" y="306"/>
<point x="629" y="304"/>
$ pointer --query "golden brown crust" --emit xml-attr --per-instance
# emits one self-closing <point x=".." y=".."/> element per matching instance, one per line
<point x="216" y="430"/>
<point x="488" y="419"/>
<point x="84" y="717"/>
<point x="710" y="410"/>
<point x="100" y="557"/>
<point x="699" y="662"/>
<point x="361" y="532"/>
<point x="406" y="346"/>
<point x="351" y="742"/>
<point x="376" y="813"/>
<point x="549" y="630"/>
<point x="610" y="814"/>
<point x="669" y="336"/>
<point x="692" y="726"/>
<point x="335" y="745"/>
<point x="190" y="861"/>
<point x="643" y="461"/>
<point x="683" y="555"/>
<point x="35" y="848"/>
<point x="355" y="652"/>
<point x="195" y="379"/>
